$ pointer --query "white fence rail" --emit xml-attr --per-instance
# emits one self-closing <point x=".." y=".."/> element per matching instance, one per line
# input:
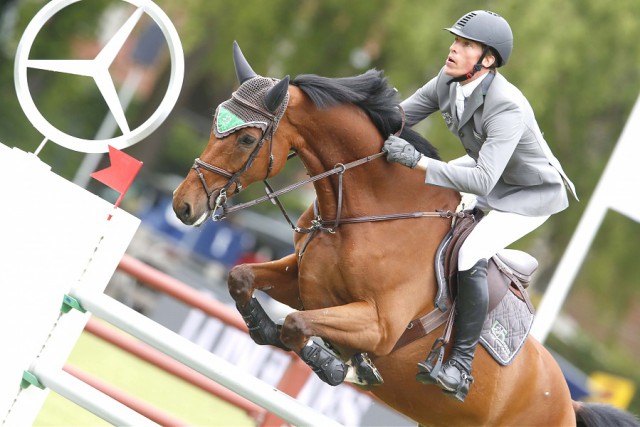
<point x="56" y="241"/>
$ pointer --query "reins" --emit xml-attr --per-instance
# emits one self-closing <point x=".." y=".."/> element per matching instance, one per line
<point x="271" y="195"/>
<point x="317" y="224"/>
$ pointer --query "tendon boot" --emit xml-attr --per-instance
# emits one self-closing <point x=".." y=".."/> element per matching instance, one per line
<point x="325" y="364"/>
<point x="262" y="329"/>
<point x="471" y="310"/>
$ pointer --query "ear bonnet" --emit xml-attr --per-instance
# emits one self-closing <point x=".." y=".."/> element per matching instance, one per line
<point x="259" y="101"/>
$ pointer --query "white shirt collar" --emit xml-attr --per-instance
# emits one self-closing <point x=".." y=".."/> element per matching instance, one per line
<point x="468" y="89"/>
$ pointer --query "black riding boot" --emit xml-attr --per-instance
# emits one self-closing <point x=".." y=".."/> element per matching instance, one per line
<point x="471" y="310"/>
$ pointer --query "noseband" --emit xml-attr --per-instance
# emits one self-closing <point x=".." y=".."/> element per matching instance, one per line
<point x="221" y="199"/>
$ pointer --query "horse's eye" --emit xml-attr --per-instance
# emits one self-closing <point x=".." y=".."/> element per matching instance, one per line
<point x="246" y="139"/>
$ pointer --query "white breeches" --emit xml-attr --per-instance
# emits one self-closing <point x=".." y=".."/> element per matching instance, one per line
<point x="496" y="231"/>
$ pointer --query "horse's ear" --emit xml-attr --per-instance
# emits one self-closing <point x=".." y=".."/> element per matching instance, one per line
<point x="243" y="69"/>
<point x="276" y="95"/>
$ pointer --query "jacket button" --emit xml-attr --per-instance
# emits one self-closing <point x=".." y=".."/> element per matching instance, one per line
<point x="461" y="134"/>
<point x="467" y="150"/>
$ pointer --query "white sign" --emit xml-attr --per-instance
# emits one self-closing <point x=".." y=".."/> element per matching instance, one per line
<point x="98" y="69"/>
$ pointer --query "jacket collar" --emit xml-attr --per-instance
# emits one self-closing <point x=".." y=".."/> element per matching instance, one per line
<point x="476" y="99"/>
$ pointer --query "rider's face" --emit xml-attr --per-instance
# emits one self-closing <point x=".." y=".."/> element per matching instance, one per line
<point x="463" y="55"/>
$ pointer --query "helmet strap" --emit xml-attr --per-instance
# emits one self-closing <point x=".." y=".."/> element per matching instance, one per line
<point x="473" y="71"/>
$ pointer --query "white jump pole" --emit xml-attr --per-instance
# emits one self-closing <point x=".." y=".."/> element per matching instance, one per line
<point x="198" y="358"/>
<point x="82" y="394"/>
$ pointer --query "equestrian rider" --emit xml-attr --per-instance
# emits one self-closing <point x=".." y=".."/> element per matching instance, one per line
<point x="508" y="167"/>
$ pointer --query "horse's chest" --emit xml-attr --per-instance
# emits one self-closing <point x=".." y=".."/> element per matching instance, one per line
<point x="325" y="279"/>
<point x="322" y="286"/>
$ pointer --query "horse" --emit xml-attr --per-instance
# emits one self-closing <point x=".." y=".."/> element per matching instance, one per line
<point x="360" y="272"/>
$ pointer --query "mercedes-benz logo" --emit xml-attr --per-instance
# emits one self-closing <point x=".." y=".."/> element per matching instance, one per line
<point x="98" y="68"/>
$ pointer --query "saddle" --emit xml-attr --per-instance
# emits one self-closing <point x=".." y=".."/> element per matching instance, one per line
<point x="510" y="310"/>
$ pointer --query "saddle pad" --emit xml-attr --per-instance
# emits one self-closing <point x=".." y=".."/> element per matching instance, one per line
<point x="506" y="328"/>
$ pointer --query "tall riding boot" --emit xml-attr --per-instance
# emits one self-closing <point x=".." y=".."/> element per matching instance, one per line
<point x="471" y="310"/>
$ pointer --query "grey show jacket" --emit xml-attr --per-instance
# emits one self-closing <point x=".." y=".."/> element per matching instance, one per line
<point x="509" y="165"/>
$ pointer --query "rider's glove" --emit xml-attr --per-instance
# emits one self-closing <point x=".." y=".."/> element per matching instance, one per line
<point x="400" y="151"/>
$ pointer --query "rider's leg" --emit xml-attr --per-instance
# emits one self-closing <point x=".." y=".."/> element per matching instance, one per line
<point x="471" y="310"/>
<point x="496" y="231"/>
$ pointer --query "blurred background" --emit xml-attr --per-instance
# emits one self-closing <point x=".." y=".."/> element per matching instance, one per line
<point x="577" y="62"/>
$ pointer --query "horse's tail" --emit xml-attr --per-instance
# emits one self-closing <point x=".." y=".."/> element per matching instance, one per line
<point x="598" y="414"/>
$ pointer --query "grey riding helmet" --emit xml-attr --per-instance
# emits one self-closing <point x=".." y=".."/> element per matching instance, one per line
<point x="487" y="28"/>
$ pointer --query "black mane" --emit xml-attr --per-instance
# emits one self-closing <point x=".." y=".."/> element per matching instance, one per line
<point x="369" y="91"/>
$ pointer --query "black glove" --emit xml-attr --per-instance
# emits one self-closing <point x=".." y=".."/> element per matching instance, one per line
<point x="400" y="151"/>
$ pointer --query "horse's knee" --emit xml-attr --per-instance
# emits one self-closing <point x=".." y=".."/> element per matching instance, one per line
<point x="240" y="283"/>
<point x="295" y="331"/>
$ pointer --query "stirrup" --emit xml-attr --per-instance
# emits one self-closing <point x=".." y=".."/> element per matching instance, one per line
<point x="429" y="369"/>
<point x="461" y="391"/>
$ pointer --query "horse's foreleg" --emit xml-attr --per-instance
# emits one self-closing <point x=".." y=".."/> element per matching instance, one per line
<point x="354" y="326"/>
<point x="279" y="279"/>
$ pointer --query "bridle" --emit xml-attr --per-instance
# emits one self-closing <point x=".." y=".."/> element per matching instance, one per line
<point x="234" y="178"/>
<point x="317" y="224"/>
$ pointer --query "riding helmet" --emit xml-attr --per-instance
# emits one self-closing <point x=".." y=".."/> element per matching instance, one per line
<point x="487" y="28"/>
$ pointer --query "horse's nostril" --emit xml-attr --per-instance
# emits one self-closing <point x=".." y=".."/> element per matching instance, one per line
<point x="184" y="212"/>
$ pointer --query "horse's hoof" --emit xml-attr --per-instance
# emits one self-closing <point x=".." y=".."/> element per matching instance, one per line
<point x="353" y="378"/>
<point x="365" y="370"/>
<point x="326" y="365"/>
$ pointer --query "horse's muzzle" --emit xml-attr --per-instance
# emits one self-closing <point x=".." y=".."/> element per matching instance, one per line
<point x="188" y="214"/>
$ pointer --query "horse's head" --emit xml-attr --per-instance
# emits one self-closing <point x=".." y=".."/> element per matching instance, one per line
<point x="242" y="147"/>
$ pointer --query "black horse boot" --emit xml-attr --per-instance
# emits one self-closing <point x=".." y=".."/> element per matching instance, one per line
<point x="324" y="363"/>
<point x="471" y="310"/>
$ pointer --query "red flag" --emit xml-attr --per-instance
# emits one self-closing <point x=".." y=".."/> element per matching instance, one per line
<point x="120" y="174"/>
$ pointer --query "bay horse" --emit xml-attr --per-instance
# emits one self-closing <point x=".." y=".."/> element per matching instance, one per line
<point x="358" y="284"/>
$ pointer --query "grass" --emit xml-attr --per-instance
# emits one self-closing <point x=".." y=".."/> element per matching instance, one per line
<point x="142" y="380"/>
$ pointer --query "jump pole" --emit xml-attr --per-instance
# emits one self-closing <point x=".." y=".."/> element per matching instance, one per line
<point x="82" y="394"/>
<point x="150" y="355"/>
<point x="194" y="356"/>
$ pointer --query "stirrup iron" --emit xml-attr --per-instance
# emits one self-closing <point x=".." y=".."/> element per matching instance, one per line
<point x="460" y="393"/>
<point x="429" y="369"/>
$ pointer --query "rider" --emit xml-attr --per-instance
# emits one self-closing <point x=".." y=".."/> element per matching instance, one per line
<point x="508" y="167"/>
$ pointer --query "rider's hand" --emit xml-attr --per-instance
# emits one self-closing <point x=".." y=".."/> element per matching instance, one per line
<point x="400" y="151"/>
